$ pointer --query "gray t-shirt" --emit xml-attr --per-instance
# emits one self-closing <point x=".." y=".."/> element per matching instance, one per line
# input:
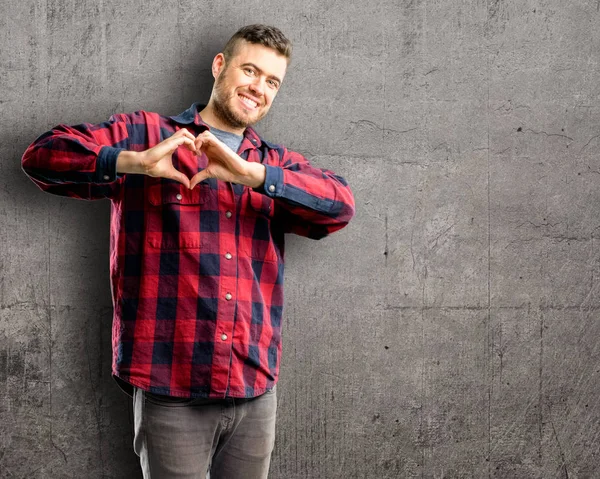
<point x="232" y="140"/>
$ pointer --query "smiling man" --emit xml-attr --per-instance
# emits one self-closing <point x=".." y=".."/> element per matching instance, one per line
<point x="200" y="205"/>
<point x="236" y="71"/>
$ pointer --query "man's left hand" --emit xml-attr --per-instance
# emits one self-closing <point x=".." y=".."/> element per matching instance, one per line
<point x="225" y="165"/>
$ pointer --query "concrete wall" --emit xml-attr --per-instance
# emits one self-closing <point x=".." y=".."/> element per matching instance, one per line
<point x="449" y="332"/>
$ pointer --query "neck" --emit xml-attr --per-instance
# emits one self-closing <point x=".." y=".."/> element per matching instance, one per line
<point x="211" y="119"/>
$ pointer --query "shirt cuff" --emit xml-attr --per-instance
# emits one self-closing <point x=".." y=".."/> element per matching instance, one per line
<point x="273" y="185"/>
<point x="106" y="164"/>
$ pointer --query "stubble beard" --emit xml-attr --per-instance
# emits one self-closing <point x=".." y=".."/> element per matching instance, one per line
<point x="222" y="109"/>
<point x="224" y="113"/>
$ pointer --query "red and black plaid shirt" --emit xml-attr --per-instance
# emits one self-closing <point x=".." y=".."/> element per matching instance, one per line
<point x="197" y="275"/>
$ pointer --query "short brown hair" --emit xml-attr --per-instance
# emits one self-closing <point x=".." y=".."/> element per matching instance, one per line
<point x="265" y="35"/>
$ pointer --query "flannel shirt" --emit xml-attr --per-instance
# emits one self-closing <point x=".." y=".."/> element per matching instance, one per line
<point x="196" y="275"/>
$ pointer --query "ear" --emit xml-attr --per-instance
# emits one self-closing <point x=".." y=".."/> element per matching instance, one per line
<point x="217" y="65"/>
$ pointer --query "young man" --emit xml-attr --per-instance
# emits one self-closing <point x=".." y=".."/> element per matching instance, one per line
<point x="200" y="206"/>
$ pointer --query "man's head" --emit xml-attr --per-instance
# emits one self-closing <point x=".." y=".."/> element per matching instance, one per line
<point x="264" y="35"/>
<point x="248" y="75"/>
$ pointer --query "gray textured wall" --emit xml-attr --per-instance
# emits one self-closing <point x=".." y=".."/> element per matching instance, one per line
<point x="449" y="332"/>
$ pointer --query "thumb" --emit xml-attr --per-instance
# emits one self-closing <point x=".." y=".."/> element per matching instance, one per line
<point x="173" y="174"/>
<point x="199" y="177"/>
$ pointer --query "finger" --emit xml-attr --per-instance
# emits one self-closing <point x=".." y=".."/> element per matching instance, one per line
<point x="182" y="132"/>
<point x="167" y="146"/>
<point x="211" y="140"/>
<point x="191" y="146"/>
<point x="181" y="140"/>
<point x="178" y="176"/>
<point x="199" y="177"/>
<point x="206" y="136"/>
<point x="198" y="142"/>
<point x="189" y="143"/>
<point x="189" y="135"/>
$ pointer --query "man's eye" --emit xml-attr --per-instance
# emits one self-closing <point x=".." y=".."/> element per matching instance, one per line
<point x="273" y="84"/>
<point x="249" y="71"/>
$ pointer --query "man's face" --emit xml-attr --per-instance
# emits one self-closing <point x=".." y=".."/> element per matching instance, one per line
<point x="246" y="86"/>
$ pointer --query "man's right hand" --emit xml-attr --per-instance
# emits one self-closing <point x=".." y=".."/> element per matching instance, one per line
<point x="156" y="161"/>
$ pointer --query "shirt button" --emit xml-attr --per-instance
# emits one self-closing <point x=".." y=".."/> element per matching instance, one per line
<point x="179" y="197"/>
<point x="228" y="214"/>
<point x="106" y="177"/>
<point x="228" y="296"/>
<point x="227" y="255"/>
<point x="223" y="337"/>
<point x="272" y="188"/>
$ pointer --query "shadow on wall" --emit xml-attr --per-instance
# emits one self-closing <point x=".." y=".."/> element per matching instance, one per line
<point x="64" y="408"/>
<point x="55" y="336"/>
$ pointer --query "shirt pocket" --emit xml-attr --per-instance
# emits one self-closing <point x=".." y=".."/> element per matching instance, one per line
<point x="173" y="216"/>
<point x="256" y="239"/>
<point x="261" y="204"/>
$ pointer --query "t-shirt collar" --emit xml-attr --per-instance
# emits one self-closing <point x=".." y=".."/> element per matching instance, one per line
<point x="192" y="115"/>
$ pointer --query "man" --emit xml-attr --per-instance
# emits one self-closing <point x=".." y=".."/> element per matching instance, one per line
<point x="200" y="205"/>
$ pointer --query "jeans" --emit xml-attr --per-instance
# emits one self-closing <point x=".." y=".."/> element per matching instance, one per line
<point x="178" y="438"/>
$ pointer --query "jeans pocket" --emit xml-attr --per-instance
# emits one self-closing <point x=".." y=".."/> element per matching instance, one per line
<point x="273" y="390"/>
<point x="167" y="401"/>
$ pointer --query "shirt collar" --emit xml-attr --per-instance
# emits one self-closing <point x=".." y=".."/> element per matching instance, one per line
<point x="192" y="115"/>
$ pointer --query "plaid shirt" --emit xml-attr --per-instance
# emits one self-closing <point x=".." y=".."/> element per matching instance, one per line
<point x="196" y="275"/>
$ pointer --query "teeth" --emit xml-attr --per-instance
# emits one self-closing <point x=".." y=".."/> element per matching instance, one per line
<point x="249" y="102"/>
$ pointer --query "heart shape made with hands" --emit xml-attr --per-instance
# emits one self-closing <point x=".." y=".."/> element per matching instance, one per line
<point x="223" y="163"/>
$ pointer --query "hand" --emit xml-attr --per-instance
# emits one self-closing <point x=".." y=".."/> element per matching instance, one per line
<point x="157" y="161"/>
<point x="225" y="165"/>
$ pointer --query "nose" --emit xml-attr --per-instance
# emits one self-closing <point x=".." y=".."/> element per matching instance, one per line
<point x="257" y="86"/>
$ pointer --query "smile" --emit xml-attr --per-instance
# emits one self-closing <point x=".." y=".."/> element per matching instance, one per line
<point x="248" y="102"/>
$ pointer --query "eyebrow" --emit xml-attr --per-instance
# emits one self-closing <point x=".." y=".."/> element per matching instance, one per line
<point x="260" y="71"/>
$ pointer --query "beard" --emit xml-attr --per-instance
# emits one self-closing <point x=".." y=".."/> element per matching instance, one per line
<point x="222" y="109"/>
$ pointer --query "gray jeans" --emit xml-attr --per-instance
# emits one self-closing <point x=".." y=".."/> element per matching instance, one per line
<point x="179" y="438"/>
